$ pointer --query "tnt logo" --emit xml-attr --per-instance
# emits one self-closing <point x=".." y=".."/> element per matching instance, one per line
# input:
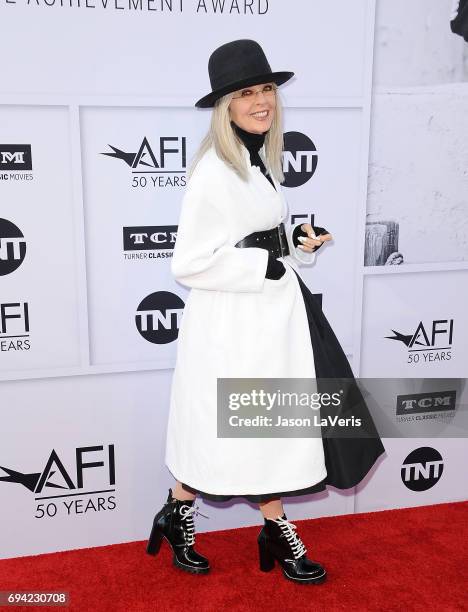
<point x="158" y="317"/>
<point x="422" y="469"/>
<point x="15" y="157"/>
<point x="299" y="159"/>
<point x="12" y="247"/>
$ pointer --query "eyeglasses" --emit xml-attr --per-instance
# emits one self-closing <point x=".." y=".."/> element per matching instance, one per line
<point x="249" y="94"/>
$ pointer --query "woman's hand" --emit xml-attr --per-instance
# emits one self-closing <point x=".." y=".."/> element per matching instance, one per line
<point x="310" y="243"/>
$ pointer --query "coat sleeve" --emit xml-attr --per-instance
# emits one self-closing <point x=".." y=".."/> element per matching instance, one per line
<point x="202" y="257"/>
<point x="298" y="254"/>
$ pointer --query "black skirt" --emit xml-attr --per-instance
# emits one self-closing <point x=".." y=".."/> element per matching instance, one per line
<point x="347" y="459"/>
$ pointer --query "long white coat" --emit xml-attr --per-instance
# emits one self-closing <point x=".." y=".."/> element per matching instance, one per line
<point x="236" y="323"/>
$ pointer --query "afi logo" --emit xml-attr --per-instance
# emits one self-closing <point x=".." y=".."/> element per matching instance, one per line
<point x="299" y="159"/>
<point x="158" y="317"/>
<point x="422" y="469"/>
<point x="172" y="154"/>
<point x="54" y="475"/>
<point x="440" y="330"/>
<point x="14" y="318"/>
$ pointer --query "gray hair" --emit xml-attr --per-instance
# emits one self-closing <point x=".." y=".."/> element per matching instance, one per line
<point x="228" y="145"/>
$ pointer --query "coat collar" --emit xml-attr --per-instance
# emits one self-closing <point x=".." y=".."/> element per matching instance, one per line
<point x="257" y="176"/>
<point x="255" y="170"/>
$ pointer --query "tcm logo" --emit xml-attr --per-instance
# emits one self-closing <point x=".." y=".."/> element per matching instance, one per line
<point x="54" y="481"/>
<point x="422" y="403"/>
<point x="165" y="168"/>
<point x="428" y="343"/>
<point x="15" y="157"/>
<point x="12" y="247"/>
<point x="422" y="469"/>
<point x="149" y="242"/>
<point x="158" y="317"/>
<point x="299" y="159"/>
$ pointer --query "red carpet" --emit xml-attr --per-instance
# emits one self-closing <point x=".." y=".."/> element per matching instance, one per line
<point x="410" y="559"/>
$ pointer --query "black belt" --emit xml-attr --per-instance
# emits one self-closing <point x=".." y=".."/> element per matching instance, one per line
<point x="273" y="240"/>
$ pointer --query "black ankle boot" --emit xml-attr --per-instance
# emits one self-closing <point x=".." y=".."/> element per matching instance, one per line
<point x="175" y="523"/>
<point x="277" y="540"/>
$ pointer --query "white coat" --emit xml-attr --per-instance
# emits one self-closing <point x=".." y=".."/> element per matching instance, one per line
<point x="236" y="323"/>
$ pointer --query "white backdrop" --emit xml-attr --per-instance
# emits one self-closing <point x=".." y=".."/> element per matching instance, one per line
<point x="103" y="100"/>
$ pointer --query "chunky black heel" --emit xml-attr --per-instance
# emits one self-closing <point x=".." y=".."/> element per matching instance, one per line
<point x="267" y="561"/>
<point x="174" y="522"/>
<point x="278" y="541"/>
<point x="154" y="542"/>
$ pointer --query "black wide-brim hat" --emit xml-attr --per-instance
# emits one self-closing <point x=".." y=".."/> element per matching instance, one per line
<point x="238" y="64"/>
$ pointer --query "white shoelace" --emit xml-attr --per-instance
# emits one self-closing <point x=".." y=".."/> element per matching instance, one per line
<point x="187" y="516"/>
<point x="294" y="540"/>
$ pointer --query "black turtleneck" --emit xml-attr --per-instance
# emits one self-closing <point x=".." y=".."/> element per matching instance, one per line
<point x="253" y="143"/>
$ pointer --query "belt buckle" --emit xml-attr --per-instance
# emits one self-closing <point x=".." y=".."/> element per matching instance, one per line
<point x="280" y="240"/>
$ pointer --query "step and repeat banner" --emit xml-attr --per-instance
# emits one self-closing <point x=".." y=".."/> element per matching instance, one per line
<point x="98" y="129"/>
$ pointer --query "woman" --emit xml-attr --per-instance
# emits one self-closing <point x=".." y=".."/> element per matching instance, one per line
<point x="249" y="315"/>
